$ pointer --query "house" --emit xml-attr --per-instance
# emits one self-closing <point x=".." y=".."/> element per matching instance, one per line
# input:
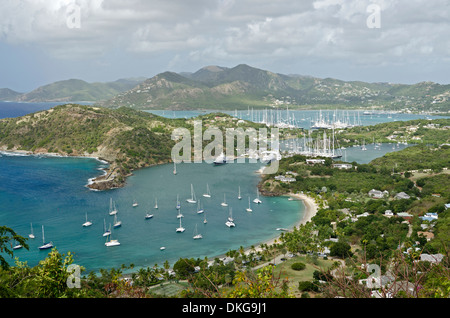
<point x="447" y="206"/>
<point x="314" y="161"/>
<point x="429" y="217"/>
<point x="403" y="286"/>
<point x="388" y="213"/>
<point x="363" y="215"/>
<point x="377" y="194"/>
<point x="401" y="195"/>
<point x="342" y="165"/>
<point x="432" y="258"/>
<point x="405" y="215"/>
<point x="427" y="235"/>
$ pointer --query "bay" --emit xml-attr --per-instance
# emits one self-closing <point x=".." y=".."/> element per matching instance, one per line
<point x="51" y="192"/>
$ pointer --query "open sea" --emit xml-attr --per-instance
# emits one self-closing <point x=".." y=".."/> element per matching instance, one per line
<point x="38" y="191"/>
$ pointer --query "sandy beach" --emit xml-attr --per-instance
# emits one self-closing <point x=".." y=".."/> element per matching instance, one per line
<point x="311" y="208"/>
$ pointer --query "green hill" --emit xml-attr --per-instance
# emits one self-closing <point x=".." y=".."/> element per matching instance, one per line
<point x="77" y="90"/>
<point x="243" y="86"/>
<point x="126" y="138"/>
<point x="8" y="94"/>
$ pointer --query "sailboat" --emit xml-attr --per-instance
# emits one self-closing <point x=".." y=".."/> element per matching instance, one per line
<point x="112" y="207"/>
<point x="148" y="216"/>
<point x="200" y="210"/>
<point x="230" y="221"/>
<point x="17" y="246"/>
<point x="180" y="229"/>
<point x="204" y="219"/>
<point x="105" y="231"/>
<point x="109" y="242"/>
<point x="257" y="200"/>
<point x="196" y="234"/>
<point x="179" y="215"/>
<point x="363" y="146"/>
<point x="156" y="203"/>
<point x="224" y="203"/>
<point x="178" y="203"/>
<point x="135" y="204"/>
<point x="230" y="215"/>
<point x="117" y="223"/>
<point x="87" y="223"/>
<point x="239" y="195"/>
<point x="249" y="209"/>
<point x="192" y="199"/>
<point x="31" y="235"/>
<point x="208" y="193"/>
<point x="44" y="245"/>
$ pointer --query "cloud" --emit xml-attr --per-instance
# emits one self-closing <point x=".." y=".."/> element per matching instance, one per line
<point x="230" y="30"/>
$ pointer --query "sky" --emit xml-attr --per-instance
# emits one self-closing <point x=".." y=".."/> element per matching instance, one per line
<point x="397" y="41"/>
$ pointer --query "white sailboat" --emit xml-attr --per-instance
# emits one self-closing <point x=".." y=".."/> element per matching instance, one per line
<point x="192" y="199"/>
<point x="239" y="195"/>
<point x="196" y="234"/>
<point x="44" y="245"/>
<point x="363" y="146"/>
<point x="156" y="203"/>
<point x="200" y="210"/>
<point x="148" y="216"/>
<point x="105" y="231"/>
<point x="110" y="242"/>
<point x="112" y="207"/>
<point x="208" y="193"/>
<point x="224" y="203"/>
<point x="257" y="200"/>
<point x="87" y="223"/>
<point x="230" y="215"/>
<point x="31" y="235"/>
<point x="180" y="215"/>
<point x="117" y="223"/>
<point x="230" y="220"/>
<point x="249" y="209"/>
<point x="180" y="229"/>
<point x="204" y="219"/>
<point x="135" y="204"/>
<point x="17" y="246"/>
<point x="178" y="203"/>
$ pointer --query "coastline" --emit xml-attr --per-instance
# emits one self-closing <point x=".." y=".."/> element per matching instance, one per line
<point x="310" y="211"/>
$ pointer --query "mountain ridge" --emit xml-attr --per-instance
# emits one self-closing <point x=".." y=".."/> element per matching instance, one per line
<point x="71" y="90"/>
<point x="243" y="86"/>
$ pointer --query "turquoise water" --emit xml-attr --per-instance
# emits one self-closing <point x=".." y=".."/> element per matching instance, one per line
<point x="51" y="192"/>
<point x="304" y="118"/>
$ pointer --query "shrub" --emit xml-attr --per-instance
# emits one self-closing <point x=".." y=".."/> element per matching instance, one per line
<point x="298" y="266"/>
<point x="306" y="286"/>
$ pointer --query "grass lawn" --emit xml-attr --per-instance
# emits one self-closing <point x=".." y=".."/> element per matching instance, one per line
<point x="169" y="289"/>
<point x="285" y="271"/>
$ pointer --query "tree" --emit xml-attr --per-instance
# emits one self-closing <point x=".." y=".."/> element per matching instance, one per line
<point x="261" y="284"/>
<point x="340" y="249"/>
<point x="7" y="237"/>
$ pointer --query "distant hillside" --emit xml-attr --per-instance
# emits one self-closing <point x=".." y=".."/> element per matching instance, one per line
<point x="126" y="138"/>
<point x="243" y="86"/>
<point x="75" y="90"/>
<point x="7" y="94"/>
